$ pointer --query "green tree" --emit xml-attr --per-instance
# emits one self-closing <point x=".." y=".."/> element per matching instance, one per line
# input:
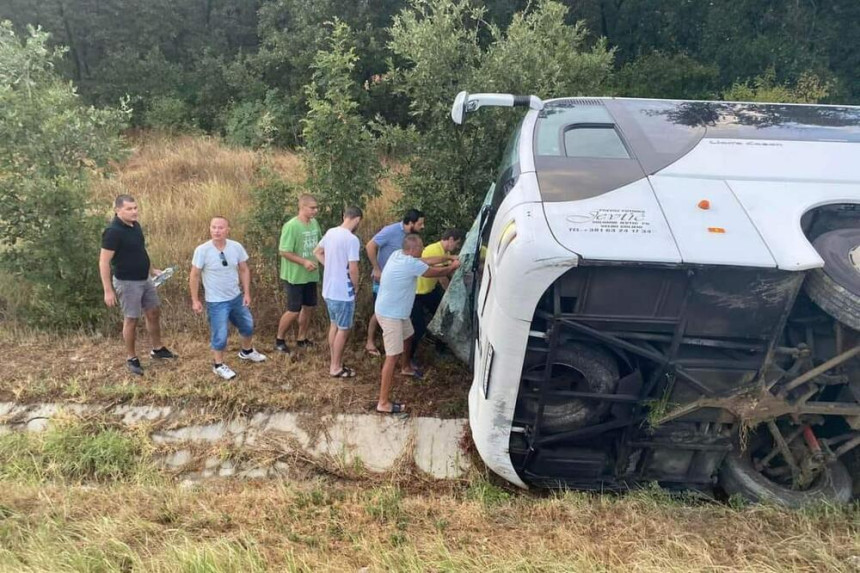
<point x="50" y="145"/>
<point x="660" y="75"/>
<point x="764" y="88"/>
<point x="340" y="155"/>
<point x="440" y="44"/>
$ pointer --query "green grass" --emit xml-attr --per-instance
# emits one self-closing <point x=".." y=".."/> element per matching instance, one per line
<point x="77" y="451"/>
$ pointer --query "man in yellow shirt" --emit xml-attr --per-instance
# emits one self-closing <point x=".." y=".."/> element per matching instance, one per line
<point x="429" y="291"/>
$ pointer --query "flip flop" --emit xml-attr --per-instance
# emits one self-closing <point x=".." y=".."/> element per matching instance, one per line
<point x="396" y="408"/>
<point x="416" y="373"/>
<point x="373" y="351"/>
<point x="344" y="373"/>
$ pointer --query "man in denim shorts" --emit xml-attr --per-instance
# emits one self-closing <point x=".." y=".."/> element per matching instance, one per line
<point x="223" y="264"/>
<point x="124" y="251"/>
<point x="338" y="253"/>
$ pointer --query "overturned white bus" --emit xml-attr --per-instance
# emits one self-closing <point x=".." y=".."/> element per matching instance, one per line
<point x="671" y="293"/>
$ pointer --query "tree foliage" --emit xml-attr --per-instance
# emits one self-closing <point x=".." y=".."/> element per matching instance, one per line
<point x="50" y="146"/>
<point x="340" y="155"/>
<point x="440" y="45"/>
<point x="808" y="89"/>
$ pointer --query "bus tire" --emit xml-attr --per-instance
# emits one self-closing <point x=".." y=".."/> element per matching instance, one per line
<point x="599" y="371"/>
<point x="738" y="476"/>
<point x="836" y="287"/>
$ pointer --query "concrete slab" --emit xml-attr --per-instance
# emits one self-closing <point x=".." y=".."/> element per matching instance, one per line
<point x="377" y="443"/>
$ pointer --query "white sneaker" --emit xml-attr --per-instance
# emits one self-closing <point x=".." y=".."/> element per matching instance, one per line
<point x="253" y="356"/>
<point x="224" y="372"/>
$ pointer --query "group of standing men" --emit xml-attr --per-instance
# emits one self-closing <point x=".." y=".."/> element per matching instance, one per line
<point x="407" y="282"/>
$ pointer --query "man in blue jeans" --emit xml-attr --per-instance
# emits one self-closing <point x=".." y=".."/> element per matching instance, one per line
<point x="223" y="264"/>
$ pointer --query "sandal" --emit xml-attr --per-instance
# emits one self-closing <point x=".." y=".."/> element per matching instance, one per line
<point x="373" y="351"/>
<point x="416" y="373"/>
<point x="344" y="373"/>
<point x="396" y="408"/>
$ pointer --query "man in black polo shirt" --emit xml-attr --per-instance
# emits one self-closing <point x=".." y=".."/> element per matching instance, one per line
<point x="124" y="249"/>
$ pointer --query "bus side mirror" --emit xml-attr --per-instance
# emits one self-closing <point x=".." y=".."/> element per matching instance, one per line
<point x="466" y="103"/>
<point x="458" y="110"/>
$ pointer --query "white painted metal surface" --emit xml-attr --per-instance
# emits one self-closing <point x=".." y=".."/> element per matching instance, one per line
<point x="709" y="224"/>
<point x="775" y="207"/>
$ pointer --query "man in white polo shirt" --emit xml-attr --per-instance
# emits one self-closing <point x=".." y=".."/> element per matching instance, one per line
<point x="223" y="264"/>
<point x="338" y="253"/>
<point x="394" y="305"/>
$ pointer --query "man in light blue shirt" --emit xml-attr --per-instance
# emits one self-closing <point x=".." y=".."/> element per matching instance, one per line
<point x="394" y="306"/>
<point x="379" y="249"/>
<point x="223" y="264"/>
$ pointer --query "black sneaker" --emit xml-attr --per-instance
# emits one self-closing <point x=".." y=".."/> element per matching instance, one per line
<point x="133" y="365"/>
<point x="162" y="353"/>
<point x="305" y="343"/>
<point x="281" y="346"/>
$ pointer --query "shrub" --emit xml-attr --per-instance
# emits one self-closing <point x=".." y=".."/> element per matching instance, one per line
<point x="170" y="114"/>
<point x="51" y="146"/>
<point x="272" y="200"/>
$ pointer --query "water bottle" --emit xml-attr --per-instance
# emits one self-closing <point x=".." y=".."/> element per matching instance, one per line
<point x="165" y="274"/>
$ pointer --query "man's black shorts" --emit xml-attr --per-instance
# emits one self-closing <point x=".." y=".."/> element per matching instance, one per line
<point x="300" y="295"/>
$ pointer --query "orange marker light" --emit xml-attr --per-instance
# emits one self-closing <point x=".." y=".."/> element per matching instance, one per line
<point x="704" y="204"/>
<point x="716" y="230"/>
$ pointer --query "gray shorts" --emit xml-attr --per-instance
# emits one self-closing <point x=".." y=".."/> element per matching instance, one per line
<point x="135" y="296"/>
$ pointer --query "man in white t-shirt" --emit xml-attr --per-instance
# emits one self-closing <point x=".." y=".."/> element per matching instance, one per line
<point x="338" y="253"/>
<point x="394" y="305"/>
<point x="223" y="264"/>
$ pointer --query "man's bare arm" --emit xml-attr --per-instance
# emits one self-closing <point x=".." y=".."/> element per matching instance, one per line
<point x="105" y="257"/>
<point x="436" y="272"/>
<point x="194" y="287"/>
<point x="294" y="258"/>
<point x="353" y="274"/>
<point x="319" y="253"/>
<point x="373" y="256"/>
<point x="245" y="280"/>
<point x="439" y="260"/>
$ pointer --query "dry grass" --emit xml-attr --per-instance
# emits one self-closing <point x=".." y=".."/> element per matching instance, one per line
<point x="329" y="526"/>
<point x="91" y="369"/>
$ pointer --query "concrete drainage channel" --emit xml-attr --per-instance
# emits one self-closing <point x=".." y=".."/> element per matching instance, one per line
<point x="374" y="443"/>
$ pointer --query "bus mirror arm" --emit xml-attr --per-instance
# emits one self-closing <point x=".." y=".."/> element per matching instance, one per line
<point x="467" y="103"/>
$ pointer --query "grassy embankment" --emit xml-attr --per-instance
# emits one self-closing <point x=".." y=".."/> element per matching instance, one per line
<point x="180" y="182"/>
<point x="86" y="498"/>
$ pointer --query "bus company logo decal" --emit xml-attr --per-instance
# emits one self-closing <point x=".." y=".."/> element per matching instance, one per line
<point x="610" y="221"/>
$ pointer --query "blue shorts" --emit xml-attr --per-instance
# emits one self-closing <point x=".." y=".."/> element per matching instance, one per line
<point x="221" y="314"/>
<point x="341" y="312"/>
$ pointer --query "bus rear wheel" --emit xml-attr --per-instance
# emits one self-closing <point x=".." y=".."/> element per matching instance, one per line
<point x="761" y="473"/>
<point x="836" y="287"/>
<point x="577" y="367"/>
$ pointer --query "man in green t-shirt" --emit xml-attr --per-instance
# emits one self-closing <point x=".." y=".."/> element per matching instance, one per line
<point x="299" y="273"/>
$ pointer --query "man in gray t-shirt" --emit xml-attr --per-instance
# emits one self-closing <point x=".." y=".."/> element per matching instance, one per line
<point x="223" y="265"/>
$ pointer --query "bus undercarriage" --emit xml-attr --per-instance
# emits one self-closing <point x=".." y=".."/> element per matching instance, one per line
<point x="646" y="373"/>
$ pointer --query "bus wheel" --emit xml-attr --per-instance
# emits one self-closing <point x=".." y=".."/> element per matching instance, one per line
<point x="576" y="367"/>
<point x="762" y="474"/>
<point x="836" y="287"/>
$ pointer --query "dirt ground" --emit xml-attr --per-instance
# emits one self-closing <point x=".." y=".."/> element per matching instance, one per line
<point x="91" y="368"/>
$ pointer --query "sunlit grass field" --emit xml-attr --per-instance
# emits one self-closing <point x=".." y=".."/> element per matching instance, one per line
<point x="85" y="497"/>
